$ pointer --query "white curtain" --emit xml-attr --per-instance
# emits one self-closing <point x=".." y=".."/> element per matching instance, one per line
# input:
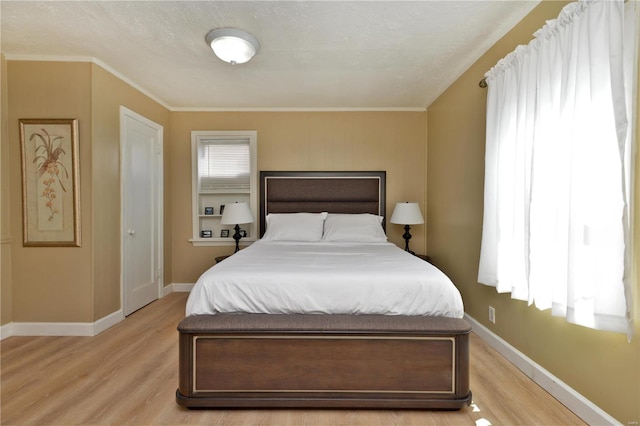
<point x="557" y="175"/>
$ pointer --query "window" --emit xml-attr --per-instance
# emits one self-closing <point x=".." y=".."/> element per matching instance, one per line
<point x="224" y="171"/>
<point x="557" y="210"/>
<point x="224" y="165"/>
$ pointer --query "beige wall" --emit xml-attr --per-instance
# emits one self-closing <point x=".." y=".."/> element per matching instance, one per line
<point x="602" y="366"/>
<point x="70" y="284"/>
<point x="50" y="284"/>
<point x="6" y="293"/>
<point x="391" y="141"/>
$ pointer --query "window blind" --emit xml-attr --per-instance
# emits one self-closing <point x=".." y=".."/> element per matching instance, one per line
<point x="224" y="165"/>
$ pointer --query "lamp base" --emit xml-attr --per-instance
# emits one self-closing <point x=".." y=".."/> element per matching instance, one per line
<point x="237" y="237"/>
<point x="407" y="237"/>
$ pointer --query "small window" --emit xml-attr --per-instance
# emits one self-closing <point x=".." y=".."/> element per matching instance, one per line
<point x="224" y="172"/>
<point x="224" y="165"/>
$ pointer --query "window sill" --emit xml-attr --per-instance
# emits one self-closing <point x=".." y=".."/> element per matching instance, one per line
<point x="204" y="242"/>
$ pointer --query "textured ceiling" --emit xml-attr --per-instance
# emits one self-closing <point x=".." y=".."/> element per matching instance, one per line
<point x="315" y="54"/>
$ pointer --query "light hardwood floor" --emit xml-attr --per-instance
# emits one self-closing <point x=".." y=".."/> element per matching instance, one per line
<point x="129" y="374"/>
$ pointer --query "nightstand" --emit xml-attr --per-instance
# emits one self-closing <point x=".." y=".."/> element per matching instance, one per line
<point x="221" y="258"/>
<point x="424" y="257"/>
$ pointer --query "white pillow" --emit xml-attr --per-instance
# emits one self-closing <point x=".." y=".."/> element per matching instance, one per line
<point x="294" y="226"/>
<point x="360" y="228"/>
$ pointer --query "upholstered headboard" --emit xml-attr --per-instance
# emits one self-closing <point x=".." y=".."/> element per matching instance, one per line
<point x="315" y="192"/>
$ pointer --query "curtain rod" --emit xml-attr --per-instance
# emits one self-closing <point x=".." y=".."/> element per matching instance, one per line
<point x="483" y="82"/>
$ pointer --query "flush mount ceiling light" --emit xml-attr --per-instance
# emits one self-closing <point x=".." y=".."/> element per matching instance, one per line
<point x="232" y="45"/>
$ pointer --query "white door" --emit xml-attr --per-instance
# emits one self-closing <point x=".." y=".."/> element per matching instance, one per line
<point x="141" y="177"/>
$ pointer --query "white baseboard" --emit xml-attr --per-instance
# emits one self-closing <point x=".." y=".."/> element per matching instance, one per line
<point x="6" y="331"/>
<point x="569" y="397"/>
<point x="86" y="329"/>
<point x="106" y="322"/>
<point x="167" y="289"/>
<point x="178" y="288"/>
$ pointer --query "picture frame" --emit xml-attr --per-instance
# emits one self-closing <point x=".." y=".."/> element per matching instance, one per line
<point x="208" y="210"/>
<point x="224" y="233"/>
<point x="50" y="182"/>
<point x="206" y="233"/>
<point x="243" y="233"/>
<point x="221" y="208"/>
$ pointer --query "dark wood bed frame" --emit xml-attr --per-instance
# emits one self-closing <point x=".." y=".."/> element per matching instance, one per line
<point x="323" y="361"/>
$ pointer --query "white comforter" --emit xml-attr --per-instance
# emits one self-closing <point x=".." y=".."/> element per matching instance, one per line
<point x="325" y="278"/>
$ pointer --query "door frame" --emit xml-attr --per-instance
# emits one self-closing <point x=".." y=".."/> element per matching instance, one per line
<point x="159" y="255"/>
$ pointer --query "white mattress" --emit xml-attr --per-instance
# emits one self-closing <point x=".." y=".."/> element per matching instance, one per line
<point x="325" y="278"/>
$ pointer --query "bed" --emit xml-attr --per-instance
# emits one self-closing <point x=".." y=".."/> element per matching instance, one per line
<point x="302" y="339"/>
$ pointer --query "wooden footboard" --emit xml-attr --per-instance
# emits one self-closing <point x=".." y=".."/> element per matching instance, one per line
<point x="340" y="361"/>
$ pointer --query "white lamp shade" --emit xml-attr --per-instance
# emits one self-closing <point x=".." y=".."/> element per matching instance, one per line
<point x="236" y="213"/>
<point x="407" y="214"/>
<point x="232" y="45"/>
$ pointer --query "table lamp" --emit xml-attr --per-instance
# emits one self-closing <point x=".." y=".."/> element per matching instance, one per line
<point x="236" y="213"/>
<point x="407" y="214"/>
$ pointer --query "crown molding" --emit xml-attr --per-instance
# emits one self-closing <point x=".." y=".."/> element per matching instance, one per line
<point x="89" y="59"/>
<point x="301" y="109"/>
<point x="106" y="67"/>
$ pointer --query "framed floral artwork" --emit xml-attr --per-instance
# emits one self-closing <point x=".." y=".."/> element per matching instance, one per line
<point x="50" y="187"/>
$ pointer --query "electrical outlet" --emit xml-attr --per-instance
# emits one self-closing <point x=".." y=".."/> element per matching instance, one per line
<point x="492" y="314"/>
